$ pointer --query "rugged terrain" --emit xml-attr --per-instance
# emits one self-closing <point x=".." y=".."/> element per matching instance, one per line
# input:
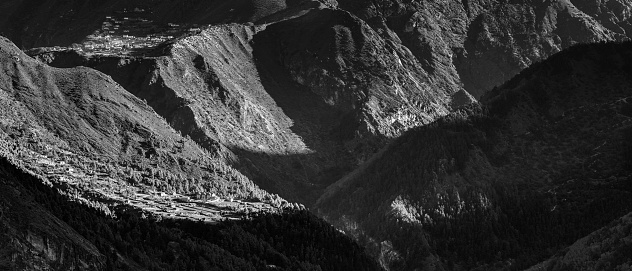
<point x="480" y="43"/>
<point x="34" y="239"/>
<point x="87" y="167"/>
<point x="186" y="108"/>
<point x="544" y="162"/>
<point x="83" y="131"/>
<point x="295" y="128"/>
<point x="319" y="87"/>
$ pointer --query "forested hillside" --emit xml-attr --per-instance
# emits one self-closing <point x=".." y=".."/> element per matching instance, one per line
<point x="608" y="248"/>
<point x="42" y="229"/>
<point x="544" y="161"/>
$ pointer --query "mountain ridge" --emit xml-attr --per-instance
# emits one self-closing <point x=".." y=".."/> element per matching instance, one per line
<point x="256" y="114"/>
<point x="501" y="169"/>
<point x="364" y="110"/>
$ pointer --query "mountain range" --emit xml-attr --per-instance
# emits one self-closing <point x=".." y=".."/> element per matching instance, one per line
<point x="439" y="135"/>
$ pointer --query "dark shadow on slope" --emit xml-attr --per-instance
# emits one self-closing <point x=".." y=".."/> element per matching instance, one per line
<point x="295" y="177"/>
<point x="557" y="179"/>
<point x="323" y="128"/>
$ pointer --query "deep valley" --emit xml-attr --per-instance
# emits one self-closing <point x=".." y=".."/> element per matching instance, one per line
<point x="315" y="135"/>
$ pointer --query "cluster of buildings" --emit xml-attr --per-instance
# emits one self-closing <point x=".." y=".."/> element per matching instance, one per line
<point x="129" y="33"/>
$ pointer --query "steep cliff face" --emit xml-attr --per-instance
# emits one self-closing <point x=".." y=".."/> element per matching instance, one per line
<point x="481" y="44"/>
<point x="546" y="162"/>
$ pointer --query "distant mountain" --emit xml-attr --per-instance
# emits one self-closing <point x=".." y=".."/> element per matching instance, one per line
<point x="483" y="43"/>
<point x="473" y="44"/>
<point x="545" y="161"/>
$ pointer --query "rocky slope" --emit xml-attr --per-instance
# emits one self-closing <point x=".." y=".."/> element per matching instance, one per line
<point x="373" y="68"/>
<point x="80" y="121"/>
<point x="481" y="44"/>
<point x="472" y="44"/>
<point x="294" y="127"/>
<point x="296" y="94"/>
<point x="545" y="162"/>
<point x="77" y="150"/>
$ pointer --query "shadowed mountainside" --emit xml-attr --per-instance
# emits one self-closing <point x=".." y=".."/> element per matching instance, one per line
<point x="545" y="162"/>
<point x="607" y="248"/>
<point x="395" y="66"/>
<point x="475" y="44"/>
<point x="33" y="239"/>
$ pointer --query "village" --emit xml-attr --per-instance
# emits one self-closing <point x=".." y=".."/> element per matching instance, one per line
<point x="94" y="182"/>
<point x="206" y="207"/>
<point x="129" y="33"/>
